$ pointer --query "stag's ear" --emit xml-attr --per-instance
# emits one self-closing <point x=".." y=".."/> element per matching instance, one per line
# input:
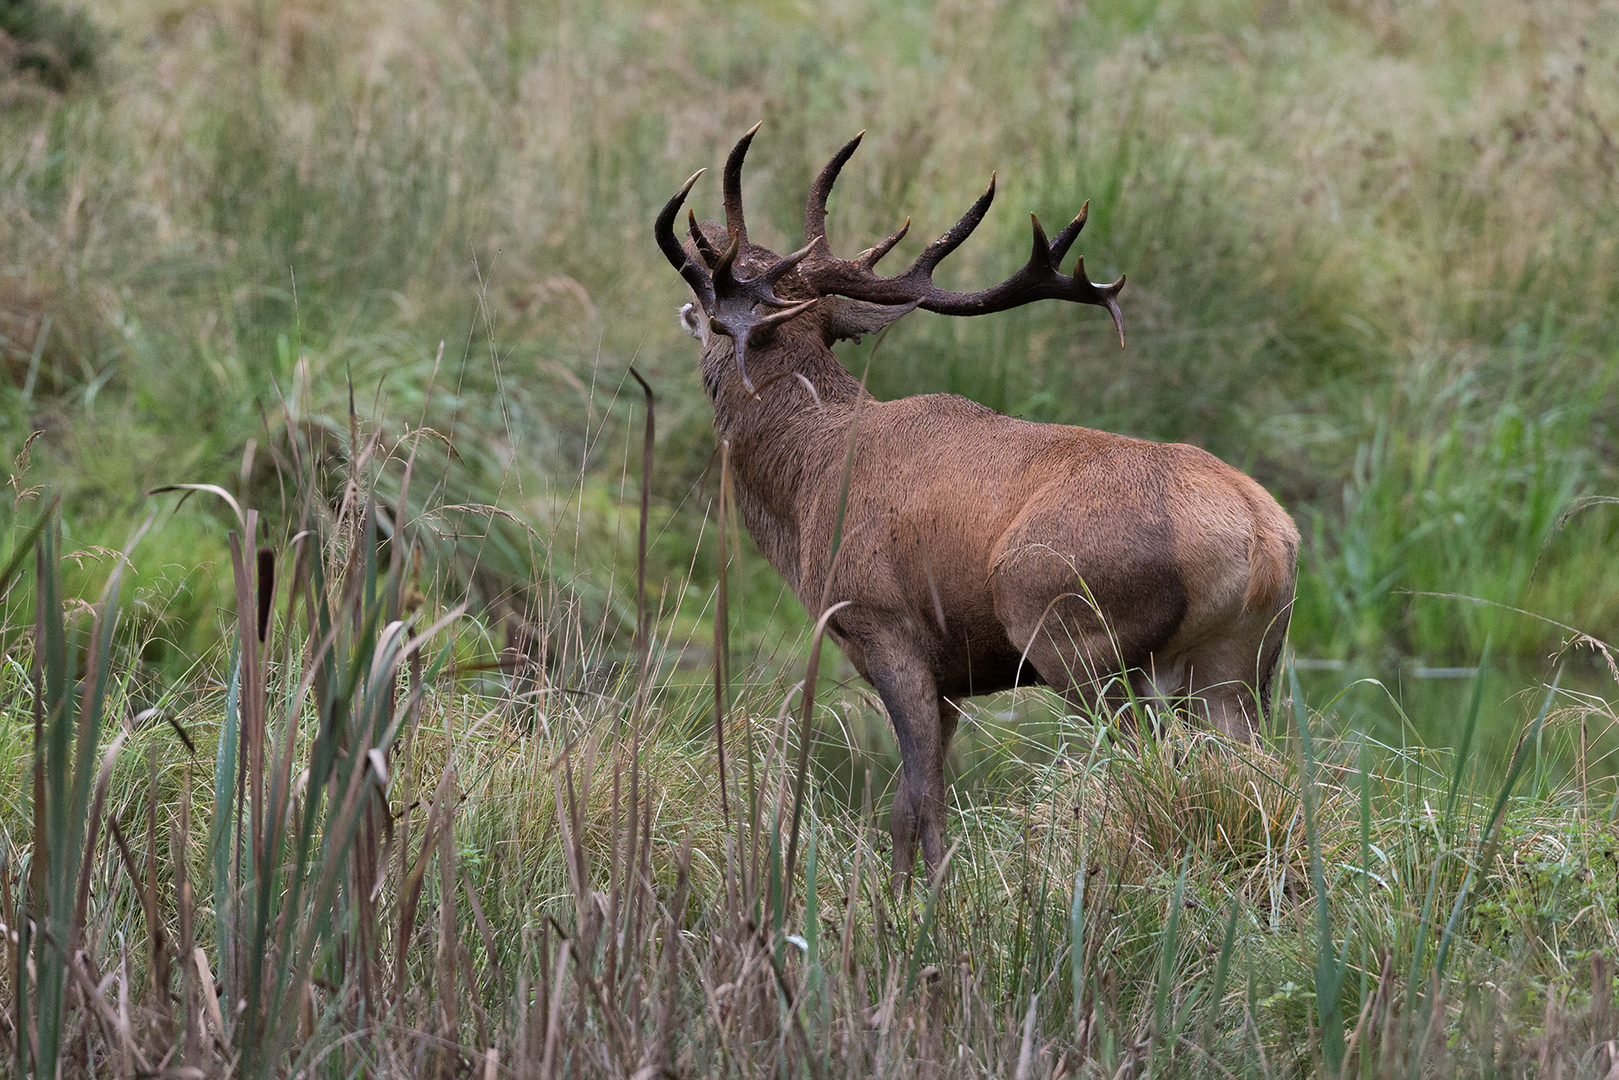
<point x="851" y="318"/>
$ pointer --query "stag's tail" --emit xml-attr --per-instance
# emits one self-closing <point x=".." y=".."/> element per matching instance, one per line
<point x="1273" y="550"/>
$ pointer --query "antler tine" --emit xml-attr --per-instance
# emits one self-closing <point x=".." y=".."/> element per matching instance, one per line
<point x="1111" y="302"/>
<point x="704" y="248"/>
<point x="868" y="258"/>
<point x="1042" y="246"/>
<point x="815" y="208"/>
<point x="1105" y="296"/>
<point x="735" y="223"/>
<point x="1069" y="234"/>
<point x="664" y="230"/>
<point x="722" y="269"/>
<point x="781" y="266"/>
<point x="776" y="318"/>
<point x="957" y="234"/>
<point x="739" y="354"/>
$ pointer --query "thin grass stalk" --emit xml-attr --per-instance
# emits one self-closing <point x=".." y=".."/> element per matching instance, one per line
<point x="643" y="636"/>
<point x="1168" y="955"/>
<point x="1222" y="968"/>
<point x="81" y="903"/>
<point x="722" y="637"/>
<point x="1329" y="973"/>
<point x="156" y="931"/>
<point x="615" y="876"/>
<point x="9" y="955"/>
<point x="448" y="939"/>
<point x="814" y="998"/>
<point x="924" y="933"/>
<point x="811" y="673"/>
<point x="252" y="680"/>
<point x="410" y="887"/>
<point x="553" y="1019"/>
<point x="192" y="1046"/>
<point x="1076" y="946"/>
<point x="15" y="947"/>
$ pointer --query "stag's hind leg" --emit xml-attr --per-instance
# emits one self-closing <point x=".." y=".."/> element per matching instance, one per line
<point x="1087" y="614"/>
<point x="1230" y="677"/>
<point x="1096" y="666"/>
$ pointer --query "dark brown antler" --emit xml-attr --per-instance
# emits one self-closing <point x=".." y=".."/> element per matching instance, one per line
<point x="1040" y="278"/>
<point x="728" y="300"/>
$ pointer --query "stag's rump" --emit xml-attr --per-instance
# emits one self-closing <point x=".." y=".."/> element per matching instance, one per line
<point x="1134" y="555"/>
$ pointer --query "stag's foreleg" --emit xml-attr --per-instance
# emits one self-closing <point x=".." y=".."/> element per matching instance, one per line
<point x="906" y="684"/>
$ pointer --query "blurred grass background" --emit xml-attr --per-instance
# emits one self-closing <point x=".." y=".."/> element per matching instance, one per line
<point x="268" y="244"/>
<point x="1371" y="248"/>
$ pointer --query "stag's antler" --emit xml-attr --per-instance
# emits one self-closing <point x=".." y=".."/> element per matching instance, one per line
<point x="1040" y="278"/>
<point x="728" y="300"/>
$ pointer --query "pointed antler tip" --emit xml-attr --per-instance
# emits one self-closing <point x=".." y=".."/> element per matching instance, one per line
<point x="755" y="128"/>
<point x="685" y="188"/>
<point x="1118" y="317"/>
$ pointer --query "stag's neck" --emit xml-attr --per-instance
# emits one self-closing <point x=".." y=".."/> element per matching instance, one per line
<point x="801" y="393"/>
<point x="786" y="442"/>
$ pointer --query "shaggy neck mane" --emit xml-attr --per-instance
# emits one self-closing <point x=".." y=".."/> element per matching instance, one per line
<point x="783" y="435"/>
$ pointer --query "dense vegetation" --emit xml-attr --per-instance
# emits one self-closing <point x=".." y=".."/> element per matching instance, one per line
<point x="378" y="271"/>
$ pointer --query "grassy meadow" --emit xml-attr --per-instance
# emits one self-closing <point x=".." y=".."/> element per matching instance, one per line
<point x="367" y="756"/>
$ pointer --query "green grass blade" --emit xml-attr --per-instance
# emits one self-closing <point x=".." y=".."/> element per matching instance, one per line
<point x="25" y="546"/>
<point x="1469" y="729"/>
<point x="1329" y="973"/>
<point x="1076" y="945"/>
<point x="219" y="827"/>
<point x="1222" y="969"/>
<point x="1169" y="950"/>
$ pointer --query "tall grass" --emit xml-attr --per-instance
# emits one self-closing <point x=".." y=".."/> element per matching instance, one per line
<point x="382" y="872"/>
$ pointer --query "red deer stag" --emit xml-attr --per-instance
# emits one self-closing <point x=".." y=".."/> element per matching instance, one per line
<point x="980" y="552"/>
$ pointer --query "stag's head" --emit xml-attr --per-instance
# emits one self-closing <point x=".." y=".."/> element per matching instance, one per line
<point x="745" y="292"/>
